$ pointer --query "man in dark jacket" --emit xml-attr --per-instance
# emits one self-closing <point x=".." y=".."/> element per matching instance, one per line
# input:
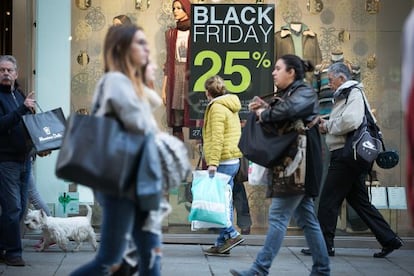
<point x="14" y="157"/>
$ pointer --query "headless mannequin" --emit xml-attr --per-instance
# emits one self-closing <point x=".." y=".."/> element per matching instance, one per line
<point x="297" y="27"/>
<point x="175" y="83"/>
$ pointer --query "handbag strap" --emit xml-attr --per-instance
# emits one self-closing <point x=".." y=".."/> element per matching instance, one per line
<point x="41" y="110"/>
<point x="369" y="117"/>
<point x="312" y="123"/>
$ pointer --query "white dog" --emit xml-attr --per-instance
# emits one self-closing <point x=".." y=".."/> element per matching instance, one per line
<point x="61" y="230"/>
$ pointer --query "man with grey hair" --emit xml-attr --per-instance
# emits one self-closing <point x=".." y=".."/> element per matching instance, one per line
<point x="15" y="147"/>
<point x="345" y="179"/>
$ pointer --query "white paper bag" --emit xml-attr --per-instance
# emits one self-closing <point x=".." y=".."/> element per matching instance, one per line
<point x="258" y="175"/>
<point x="397" y="198"/>
<point x="378" y="197"/>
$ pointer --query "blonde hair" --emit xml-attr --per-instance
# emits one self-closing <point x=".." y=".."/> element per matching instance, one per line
<point x="215" y="86"/>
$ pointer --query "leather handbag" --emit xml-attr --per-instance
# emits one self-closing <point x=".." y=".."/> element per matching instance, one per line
<point x="261" y="144"/>
<point x="45" y="129"/>
<point x="97" y="152"/>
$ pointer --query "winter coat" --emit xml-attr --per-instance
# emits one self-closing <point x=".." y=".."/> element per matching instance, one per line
<point x="15" y="144"/>
<point x="300" y="101"/>
<point x="310" y="46"/>
<point x="222" y="130"/>
<point x="347" y="114"/>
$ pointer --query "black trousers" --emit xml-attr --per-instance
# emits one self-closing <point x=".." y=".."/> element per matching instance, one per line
<point x="241" y="204"/>
<point x="345" y="182"/>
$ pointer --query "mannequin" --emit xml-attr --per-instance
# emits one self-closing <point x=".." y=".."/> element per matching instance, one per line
<point x="175" y="84"/>
<point x="321" y="84"/>
<point x="121" y="19"/>
<point x="296" y="38"/>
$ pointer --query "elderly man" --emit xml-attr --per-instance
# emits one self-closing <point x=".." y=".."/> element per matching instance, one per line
<point x="14" y="157"/>
<point x="346" y="179"/>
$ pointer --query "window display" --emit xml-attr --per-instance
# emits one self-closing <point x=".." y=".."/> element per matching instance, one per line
<point x="365" y="34"/>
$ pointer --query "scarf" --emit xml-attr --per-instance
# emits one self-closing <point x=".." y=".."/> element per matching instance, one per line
<point x="184" y="25"/>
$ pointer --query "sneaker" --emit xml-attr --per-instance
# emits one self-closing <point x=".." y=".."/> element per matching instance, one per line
<point x="392" y="245"/>
<point x="16" y="261"/>
<point x="230" y="243"/>
<point x="214" y="251"/>
<point x="307" y="252"/>
<point x="244" y="273"/>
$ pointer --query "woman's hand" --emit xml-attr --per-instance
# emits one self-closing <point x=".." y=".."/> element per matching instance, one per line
<point x="253" y="106"/>
<point x="259" y="111"/>
<point x="212" y="170"/>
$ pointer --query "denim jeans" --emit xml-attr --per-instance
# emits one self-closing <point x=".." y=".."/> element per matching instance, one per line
<point x="13" y="200"/>
<point x="33" y="194"/>
<point x="280" y="211"/>
<point x="120" y="220"/>
<point x="229" y="232"/>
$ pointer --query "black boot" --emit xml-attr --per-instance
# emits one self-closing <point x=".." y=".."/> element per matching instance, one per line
<point x="394" y="244"/>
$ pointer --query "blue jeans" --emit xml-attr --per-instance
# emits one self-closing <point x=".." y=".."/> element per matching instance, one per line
<point x="13" y="200"/>
<point x="34" y="197"/>
<point x="280" y="211"/>
<point x="120" y="220"/>
<point x="229" y="232"/>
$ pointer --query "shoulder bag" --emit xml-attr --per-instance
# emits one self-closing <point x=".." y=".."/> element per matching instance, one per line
<point x="363" y="146"/>
<point x="97" y="152"/>
<point x="261" y="145"/>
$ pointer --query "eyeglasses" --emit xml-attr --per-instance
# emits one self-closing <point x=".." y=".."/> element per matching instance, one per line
<point x="10" y="70"/>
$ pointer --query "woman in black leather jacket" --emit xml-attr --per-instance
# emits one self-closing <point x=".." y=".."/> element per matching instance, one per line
<point x="296" y="100"/>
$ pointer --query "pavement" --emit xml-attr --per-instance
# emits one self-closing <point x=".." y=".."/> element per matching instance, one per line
<point x="188" y="259"/>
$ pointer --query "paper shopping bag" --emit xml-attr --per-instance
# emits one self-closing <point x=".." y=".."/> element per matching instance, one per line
<point x="45" y="129"/>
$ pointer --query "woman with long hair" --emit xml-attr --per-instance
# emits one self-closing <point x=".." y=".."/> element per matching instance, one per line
<point x="125" y="53"/>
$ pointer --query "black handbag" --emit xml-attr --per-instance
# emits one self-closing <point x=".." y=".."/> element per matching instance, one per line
<point x="45" y="129"/>
<point x="97" y="152"/>
<point x="261" y="144"/>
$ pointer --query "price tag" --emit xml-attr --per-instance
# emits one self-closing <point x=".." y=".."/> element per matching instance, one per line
<point x="195" y="133"/>
<point x="235" y="42"/>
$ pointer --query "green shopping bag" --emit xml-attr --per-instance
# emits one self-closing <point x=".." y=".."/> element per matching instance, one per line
<point x="210" y="203"/>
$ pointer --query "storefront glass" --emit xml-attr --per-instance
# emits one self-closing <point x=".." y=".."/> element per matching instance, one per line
<point x="366" y="33"/>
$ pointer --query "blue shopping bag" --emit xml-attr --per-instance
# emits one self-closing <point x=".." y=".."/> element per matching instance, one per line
<point x="210" y="202"/>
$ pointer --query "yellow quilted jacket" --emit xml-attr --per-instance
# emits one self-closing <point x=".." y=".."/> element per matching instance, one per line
<point x="222" y="130"/>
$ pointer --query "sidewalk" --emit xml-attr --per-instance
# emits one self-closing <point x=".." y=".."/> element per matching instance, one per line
<point x="188" y="259"/>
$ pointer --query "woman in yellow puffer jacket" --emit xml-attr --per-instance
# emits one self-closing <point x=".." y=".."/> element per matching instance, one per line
<point x="221" y="135"/>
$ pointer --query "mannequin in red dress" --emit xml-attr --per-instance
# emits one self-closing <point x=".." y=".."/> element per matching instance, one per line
<point x="175" y="84"/>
